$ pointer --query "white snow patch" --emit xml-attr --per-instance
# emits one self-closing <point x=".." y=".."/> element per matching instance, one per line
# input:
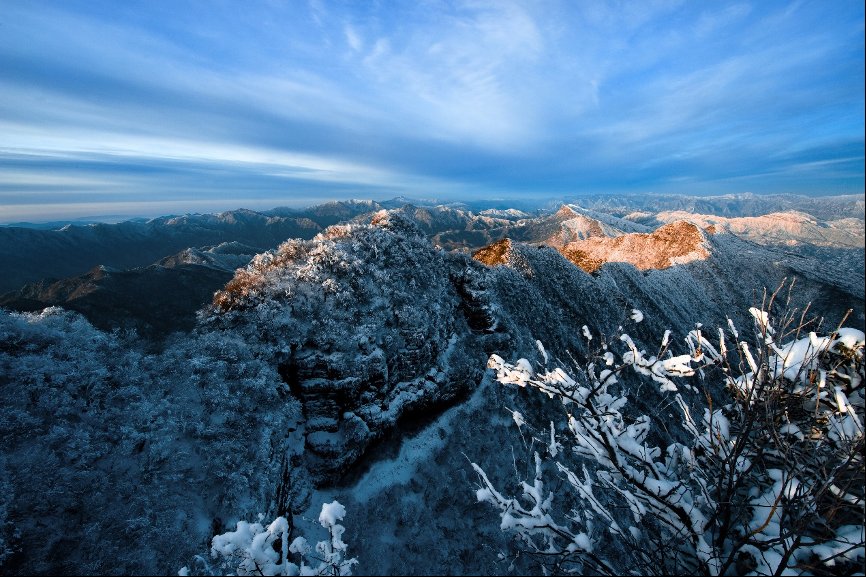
<point x="541" y="350"/>
<point x="762" y="318"/>
<point x="413" y="451"/>
<point x="518" y="418"/>
<point x="332" y="513"/>
<point x="850" y="338"/>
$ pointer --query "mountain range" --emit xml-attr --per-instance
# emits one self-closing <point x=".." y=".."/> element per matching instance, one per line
<point x="287" y="358"/>
<point x="130" y="274"/>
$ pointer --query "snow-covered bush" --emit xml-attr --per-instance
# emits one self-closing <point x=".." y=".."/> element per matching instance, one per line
<point x="253" y="549"/>
<point x="767" y="477"/>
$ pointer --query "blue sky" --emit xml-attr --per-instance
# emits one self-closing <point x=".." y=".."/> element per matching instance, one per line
<point x="150" y="107"/>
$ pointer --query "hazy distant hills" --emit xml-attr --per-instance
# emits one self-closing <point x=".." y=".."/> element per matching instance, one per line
<point x="155" y="300"/>
<point x="28" y="254"/>
<point x="782" y="228"/>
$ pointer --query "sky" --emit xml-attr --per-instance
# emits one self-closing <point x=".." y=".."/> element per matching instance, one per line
<point x="164" y="107"/>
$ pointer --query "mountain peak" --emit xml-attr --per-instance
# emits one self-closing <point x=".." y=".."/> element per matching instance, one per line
<point x="566" y="212"/>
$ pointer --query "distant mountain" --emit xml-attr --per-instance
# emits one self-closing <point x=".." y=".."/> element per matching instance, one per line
<point x="155" y="300"/>
<point x="329" y="213"/>
<point x="42" y="251"/>
<point x="32" y="254"/>
<point x="676" y="243"/>
<point x="780" y="228"/>
<point x="28" y="255"/>
<point x="679" y="242"/>
<point x="55" y="224"/>
<point x="457" y="228"/>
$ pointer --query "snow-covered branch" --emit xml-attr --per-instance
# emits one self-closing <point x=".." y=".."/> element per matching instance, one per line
<point x="252" y="549"/>
<point x="765" y="484"/>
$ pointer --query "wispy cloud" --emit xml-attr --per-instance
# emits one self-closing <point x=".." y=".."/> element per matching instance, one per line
<point x="430" y="98"/>
<point x="454" y="76"/>
<point x="354" y="40"/>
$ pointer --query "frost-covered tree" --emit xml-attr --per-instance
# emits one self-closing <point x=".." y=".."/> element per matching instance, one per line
<point x="766" y="477"/>
<point x="253" y="549"/>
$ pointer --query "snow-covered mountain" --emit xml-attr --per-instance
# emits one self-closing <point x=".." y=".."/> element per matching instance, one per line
<point x="349" y="364"/>
<point x="782" y="228"/>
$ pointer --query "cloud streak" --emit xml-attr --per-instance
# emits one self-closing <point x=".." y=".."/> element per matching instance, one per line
<point x="283" y="103"/>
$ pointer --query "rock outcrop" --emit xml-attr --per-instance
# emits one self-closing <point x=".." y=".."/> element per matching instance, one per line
<point x="675" y="243"/>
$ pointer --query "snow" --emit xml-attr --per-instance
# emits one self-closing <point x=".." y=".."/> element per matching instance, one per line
<point x="849" y="337"/>
<point x="301" y="546"/>
<point x="518" y="418"/>
<point x="793" y="430"/>
<point x="583" y="542"/>
<point x="331" y="514"/>
<point x="733" y="329"/>
<point x="636" y="315"/>
<point x="763" y="320"/>
<point x="525" y="366"/>
<point x="607" y="376"/>
<point x="680" y="365"/>
<point x="520" y="373"/>
<point x="541" y="350"/>
<point x="553" y="446"/>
